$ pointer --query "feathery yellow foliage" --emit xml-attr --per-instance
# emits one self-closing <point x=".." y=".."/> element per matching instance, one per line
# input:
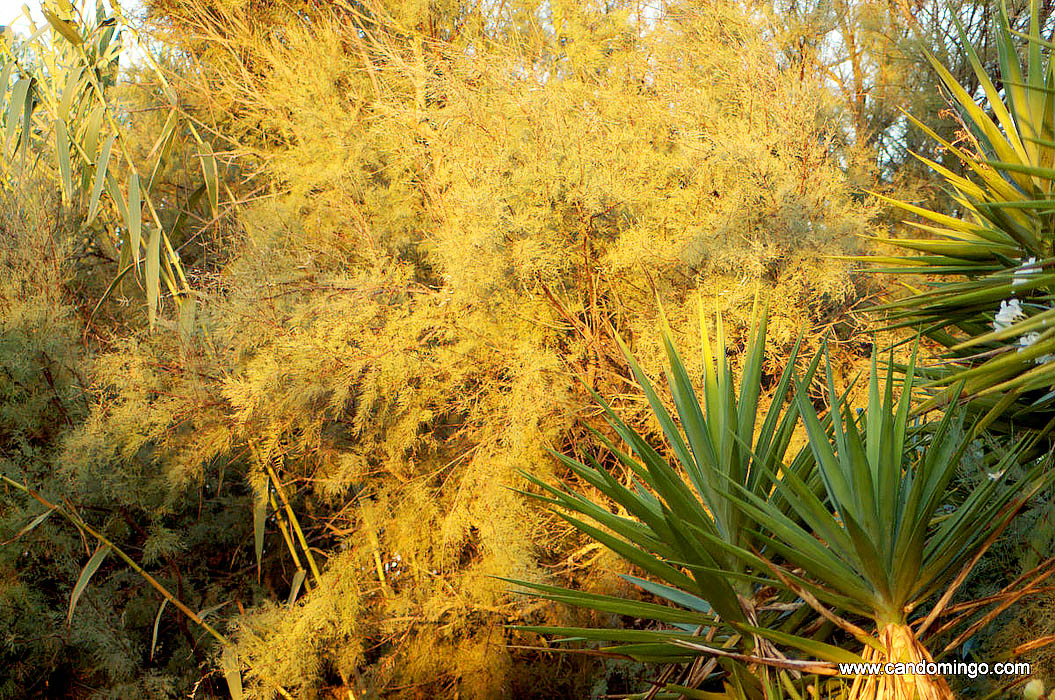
<point x="465" y="208"/>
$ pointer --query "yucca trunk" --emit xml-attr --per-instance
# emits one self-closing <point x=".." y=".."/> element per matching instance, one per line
<point x="899" y="646"/>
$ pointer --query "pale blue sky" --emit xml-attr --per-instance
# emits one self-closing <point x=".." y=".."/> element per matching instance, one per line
<point x="12" y="9"/>
<point x="11" y="13"/>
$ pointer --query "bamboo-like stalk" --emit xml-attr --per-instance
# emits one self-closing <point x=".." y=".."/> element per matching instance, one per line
<point x="172" y="259"/>
<point x="285" y="528"/>
<point x="375" y="545"/>
<point x="76" y="520"/>
<point x="170" y="267"/>
<point x="296" y="524"/>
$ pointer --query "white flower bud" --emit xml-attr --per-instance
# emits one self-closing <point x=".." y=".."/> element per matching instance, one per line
<point x="1010" y="311"/>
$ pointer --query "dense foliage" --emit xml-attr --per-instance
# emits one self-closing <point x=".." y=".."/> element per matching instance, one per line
<point x="270" y="375"/>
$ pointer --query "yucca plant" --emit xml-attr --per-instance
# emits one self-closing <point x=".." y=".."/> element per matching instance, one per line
<point x="989" y="267"/>
<point x="859" y="528"/>
<point x="685" y="530"/>
<point x="886" y="539"/>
